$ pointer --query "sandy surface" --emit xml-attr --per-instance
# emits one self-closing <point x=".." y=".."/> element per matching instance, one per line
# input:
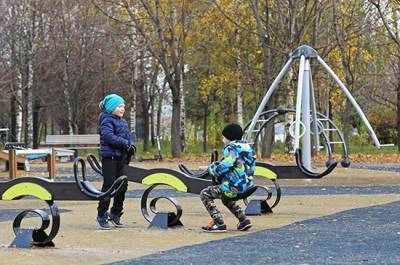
<point x="80" y="241"/>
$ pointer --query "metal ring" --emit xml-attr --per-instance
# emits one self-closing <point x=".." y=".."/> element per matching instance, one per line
<point x="42" y="214"/>
<point x="153" y="202"/>
<point x="291" y="130"/>
<point x="45" y="223"/>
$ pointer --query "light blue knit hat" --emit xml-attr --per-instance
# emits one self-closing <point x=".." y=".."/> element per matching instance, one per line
<point x="110" y="102"/>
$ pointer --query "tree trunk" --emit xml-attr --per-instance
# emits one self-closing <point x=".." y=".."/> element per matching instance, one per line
<point x="346" y="122"/>
<point x="66" y="79"/>
<point x="132" y="113"/>
<point x="152" y="125"/>
<point x="144" y="110"/>
<point x="175" y="127"/>
<point x="145" y="129"/>
<point x="159" y="109"/>
<point x="347" y="70"/>
<point x="398" y="106"/>
<point x="29" y="101"/>
<point x="31" y="31"/>
<point x="269" y="136"/>
<point x="168" y="53"/>
<point x="205" y="123"/>
<point x="36" y="124"/>
<point x="183" y="114"/>
<point x="239" y="88"/>
<point x="13" y="119"/>
<point x="18" y="114"/>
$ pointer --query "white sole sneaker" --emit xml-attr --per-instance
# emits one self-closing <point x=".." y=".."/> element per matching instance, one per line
<point x="115" y="224"/>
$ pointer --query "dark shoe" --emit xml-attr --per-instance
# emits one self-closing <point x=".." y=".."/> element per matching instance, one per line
<point x="115" y="219"/>
<point x="213" y="227"/>
<point x="244" y="225"/>
<point x="103" y="222"/>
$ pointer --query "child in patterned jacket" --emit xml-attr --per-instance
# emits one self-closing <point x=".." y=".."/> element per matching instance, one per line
<point x="233" y="175"/>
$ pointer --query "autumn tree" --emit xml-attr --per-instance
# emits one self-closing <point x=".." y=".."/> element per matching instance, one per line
<point x="389" y="14"/>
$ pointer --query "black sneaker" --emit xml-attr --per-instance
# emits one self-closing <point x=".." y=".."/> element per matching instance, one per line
<point x="244" y="225"/>
<point x="115" y="219"/>
<point x="103" y="223"/>
<point x="213" y="227"/>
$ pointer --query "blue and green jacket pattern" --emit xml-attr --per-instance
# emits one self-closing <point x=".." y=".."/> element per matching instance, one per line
<point x="234" y="172"/>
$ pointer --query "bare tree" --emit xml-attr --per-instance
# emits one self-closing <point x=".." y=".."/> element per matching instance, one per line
<point x="394" y="34"/>
<point x="164" y="41"/>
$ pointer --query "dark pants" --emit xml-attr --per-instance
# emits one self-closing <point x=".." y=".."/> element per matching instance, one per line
<point x="112" y="169"/>
<point x="210" y="193"/>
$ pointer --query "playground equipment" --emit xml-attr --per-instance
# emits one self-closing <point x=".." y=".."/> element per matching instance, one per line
<point x="4" y="157"/>
<point x="324" y="125"/>
<point x="48" y="191"/>
<point x="81" y="189"/>
<point x="306" y="114"/>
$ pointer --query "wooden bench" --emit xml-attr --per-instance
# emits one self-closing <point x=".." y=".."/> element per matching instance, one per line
<point x="74" y="142"/>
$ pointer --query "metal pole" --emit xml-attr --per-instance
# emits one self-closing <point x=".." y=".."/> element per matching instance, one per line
<point x="298" y="103"/>
<point x="353" y="102"/>
<point x="305" y="111"/>
<point x="266" y="98"/>
<point x="314" y="115"/>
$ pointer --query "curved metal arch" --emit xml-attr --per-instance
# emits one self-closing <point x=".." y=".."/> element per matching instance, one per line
<point x="205" y="173"/>
<point x="89" y="190"/>
<point x="39" y="236"/>
<point x="94" y="164"/>
<point x="309" y="173"/>
<point x="185" y="170"/>
<point x="153" y="202"/>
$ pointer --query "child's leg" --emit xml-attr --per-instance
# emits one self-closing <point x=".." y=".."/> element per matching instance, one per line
<point x="119" y="198"/>
<point x="207" y="196"/>
<point x="235" y="209"/>
<point x="110" y="170"/>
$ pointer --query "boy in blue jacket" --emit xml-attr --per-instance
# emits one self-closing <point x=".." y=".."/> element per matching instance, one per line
<point x="116" y="148"/>
<point x="234" y="175"/>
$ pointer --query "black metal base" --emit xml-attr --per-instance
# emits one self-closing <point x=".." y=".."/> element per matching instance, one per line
<point x="165" y="220"/>
<point x="26" y="238"/>
<point x="41" y="236"/>
<point x="257" y="207"/>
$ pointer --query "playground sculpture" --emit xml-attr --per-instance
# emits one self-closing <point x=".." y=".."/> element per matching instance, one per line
<point x="316" y="126"/>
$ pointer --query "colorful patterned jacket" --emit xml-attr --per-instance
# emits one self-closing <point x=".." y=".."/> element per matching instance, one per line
<point x="234" y="172"/>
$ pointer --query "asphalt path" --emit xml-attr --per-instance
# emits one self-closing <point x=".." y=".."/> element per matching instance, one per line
<point x="359" y="236"/>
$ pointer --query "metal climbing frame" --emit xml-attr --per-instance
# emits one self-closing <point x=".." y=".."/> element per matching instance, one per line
<point x="272" y="114"/>
<point x="305" y="104"/>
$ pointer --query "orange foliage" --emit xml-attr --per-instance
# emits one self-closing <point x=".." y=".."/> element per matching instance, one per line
<point x="284" y="158"/>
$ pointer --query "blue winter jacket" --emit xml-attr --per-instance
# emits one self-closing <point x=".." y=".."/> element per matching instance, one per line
<point x="115" y="136"/>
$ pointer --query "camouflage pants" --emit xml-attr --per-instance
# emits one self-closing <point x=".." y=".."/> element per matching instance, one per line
<point x="210" y="193"/>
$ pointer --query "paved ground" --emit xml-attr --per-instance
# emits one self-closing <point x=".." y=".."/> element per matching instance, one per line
<point x="368" y="235"/>
<point x="349" y="217"/>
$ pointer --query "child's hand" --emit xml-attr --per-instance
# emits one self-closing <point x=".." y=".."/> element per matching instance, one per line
<point x="131" y="149"/>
